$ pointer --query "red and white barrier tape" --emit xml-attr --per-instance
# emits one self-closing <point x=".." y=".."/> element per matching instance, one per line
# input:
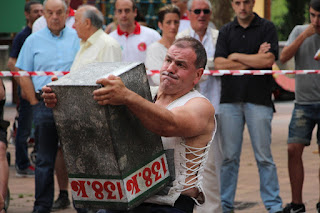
<point x="248" y="72"/>
<point x="37" y="73"/>
<point x="154" y="72"/>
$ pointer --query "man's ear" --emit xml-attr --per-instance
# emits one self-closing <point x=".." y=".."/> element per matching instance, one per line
<point x="26" y="14"/>
<point x="199" y="73"/>
<point x="160" y="25"/>
<point x="135" y="12"/>
<point x="188" y="14"/>
<point x="87" y="22"/>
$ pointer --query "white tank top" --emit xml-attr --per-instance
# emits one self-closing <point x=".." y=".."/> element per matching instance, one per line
<point x="178" y="149"/>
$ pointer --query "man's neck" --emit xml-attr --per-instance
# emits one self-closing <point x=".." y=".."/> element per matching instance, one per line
<point x="128" y="29"/>
<point x="29" y="24"/>
<point x="56" y="32"/>
<point x="91" y="31"/>
<point x="164" y="99"/>
<point x="245" y="22"/>
<point x="201" y="33"/>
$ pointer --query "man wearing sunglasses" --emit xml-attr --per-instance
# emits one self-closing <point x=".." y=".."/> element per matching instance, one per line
<point x="248" y="42"/>
<point x="199" y="13"/>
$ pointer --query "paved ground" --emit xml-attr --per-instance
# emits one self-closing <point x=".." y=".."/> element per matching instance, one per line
<point x="22" y="189"/>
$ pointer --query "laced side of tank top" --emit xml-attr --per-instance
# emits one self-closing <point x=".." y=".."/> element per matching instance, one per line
<point x="201" y="155"/>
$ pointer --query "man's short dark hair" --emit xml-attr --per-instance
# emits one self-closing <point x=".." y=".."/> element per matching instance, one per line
<point x="94" y="15"/>
<point x="27" y="6"/>
<point x="315" y="4"/>
<point x="134" y="5"/>
<point x="189" y="42"/>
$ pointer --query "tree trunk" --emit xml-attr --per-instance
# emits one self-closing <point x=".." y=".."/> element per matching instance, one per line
<point x="222" y="12"/>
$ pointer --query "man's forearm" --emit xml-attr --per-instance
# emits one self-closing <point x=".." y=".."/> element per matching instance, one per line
<point x="221" y="63"/>
<point x="256" y="61"/>
<point x="156" y="118"/>
<point x="289" y="51"/>
<point x="28" y="88"/>
<point x="11" y="64"/>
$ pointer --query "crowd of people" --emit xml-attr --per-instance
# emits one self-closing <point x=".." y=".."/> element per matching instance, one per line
<point x="193" y="114"/>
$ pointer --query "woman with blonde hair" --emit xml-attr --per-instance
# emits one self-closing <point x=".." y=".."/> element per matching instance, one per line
<point x="168" y="22"/>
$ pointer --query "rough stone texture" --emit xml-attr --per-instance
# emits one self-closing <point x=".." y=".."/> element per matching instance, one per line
<point x="102" y="141"/>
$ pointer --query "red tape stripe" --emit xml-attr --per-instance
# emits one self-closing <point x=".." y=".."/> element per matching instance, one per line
<point x="154" y="72"/>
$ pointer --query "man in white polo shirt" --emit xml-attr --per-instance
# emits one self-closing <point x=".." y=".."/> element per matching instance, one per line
<point x="133" y="38"/>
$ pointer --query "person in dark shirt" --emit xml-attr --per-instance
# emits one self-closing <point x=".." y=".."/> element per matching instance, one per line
<point x="248" y="42"/>
<point x="32" y="11"/>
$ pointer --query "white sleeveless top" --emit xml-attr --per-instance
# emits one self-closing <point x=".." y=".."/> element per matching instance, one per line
<point x="179" y="150"/>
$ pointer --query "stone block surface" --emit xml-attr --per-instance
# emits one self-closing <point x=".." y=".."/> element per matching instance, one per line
<point x="113" y="161"/>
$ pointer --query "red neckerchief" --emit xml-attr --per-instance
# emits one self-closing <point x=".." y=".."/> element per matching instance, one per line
<point x="71" y="12"/>
<point x="184" y="17"/>
<point x="136" y="30"/>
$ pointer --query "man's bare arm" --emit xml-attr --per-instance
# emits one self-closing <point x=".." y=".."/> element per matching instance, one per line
<point x="192" y="119"/>
<point x="221" y="63"/>
<point x="257" y="61"/>
<point x="241" y="61"/>
<point x="28" y="88"/>
<point x="12" y="64"/>
<point x="289" y="51"/>
<point x="12" y="67"/>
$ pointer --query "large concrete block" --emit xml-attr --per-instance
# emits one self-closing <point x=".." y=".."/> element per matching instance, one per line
<point x="113" y="161"/>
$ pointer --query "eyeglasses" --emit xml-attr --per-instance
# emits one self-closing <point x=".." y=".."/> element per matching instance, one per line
<point x="198" y="11"/>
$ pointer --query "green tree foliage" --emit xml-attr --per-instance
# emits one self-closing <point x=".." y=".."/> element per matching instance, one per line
<point x="286" y="14"/>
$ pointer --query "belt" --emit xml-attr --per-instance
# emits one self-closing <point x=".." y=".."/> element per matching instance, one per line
<point x="184" y="203"/>
<point x="39" y="94"/>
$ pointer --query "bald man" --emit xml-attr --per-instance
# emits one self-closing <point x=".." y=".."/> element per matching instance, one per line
<point x="95" y="45"/>
<point x="59" y="44"/>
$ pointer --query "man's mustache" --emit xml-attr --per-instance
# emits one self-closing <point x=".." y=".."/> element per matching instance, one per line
<point x="169" y="74"/>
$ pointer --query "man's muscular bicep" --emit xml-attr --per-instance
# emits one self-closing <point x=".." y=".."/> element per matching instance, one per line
<point x="194" y="117"/>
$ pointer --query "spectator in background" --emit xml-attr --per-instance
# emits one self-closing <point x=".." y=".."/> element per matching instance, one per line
<point x="59" y="44"/>
<point x="133" y="38"/>
<point x="41" y="22"/>
<point x="62" y="201"/>
<point x="184" y="20"/>
<point x="199" y="13"/>
<point x="168" y="22"/>
<point x="248" y="42"/>
<point x="32" y="11"/>
<point x="303" y="44"/>
<point x="113" y="25"/>
<point x="95" y="45"/>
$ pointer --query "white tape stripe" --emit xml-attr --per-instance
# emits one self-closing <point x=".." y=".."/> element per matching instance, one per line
<point x="155" y="72"/>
